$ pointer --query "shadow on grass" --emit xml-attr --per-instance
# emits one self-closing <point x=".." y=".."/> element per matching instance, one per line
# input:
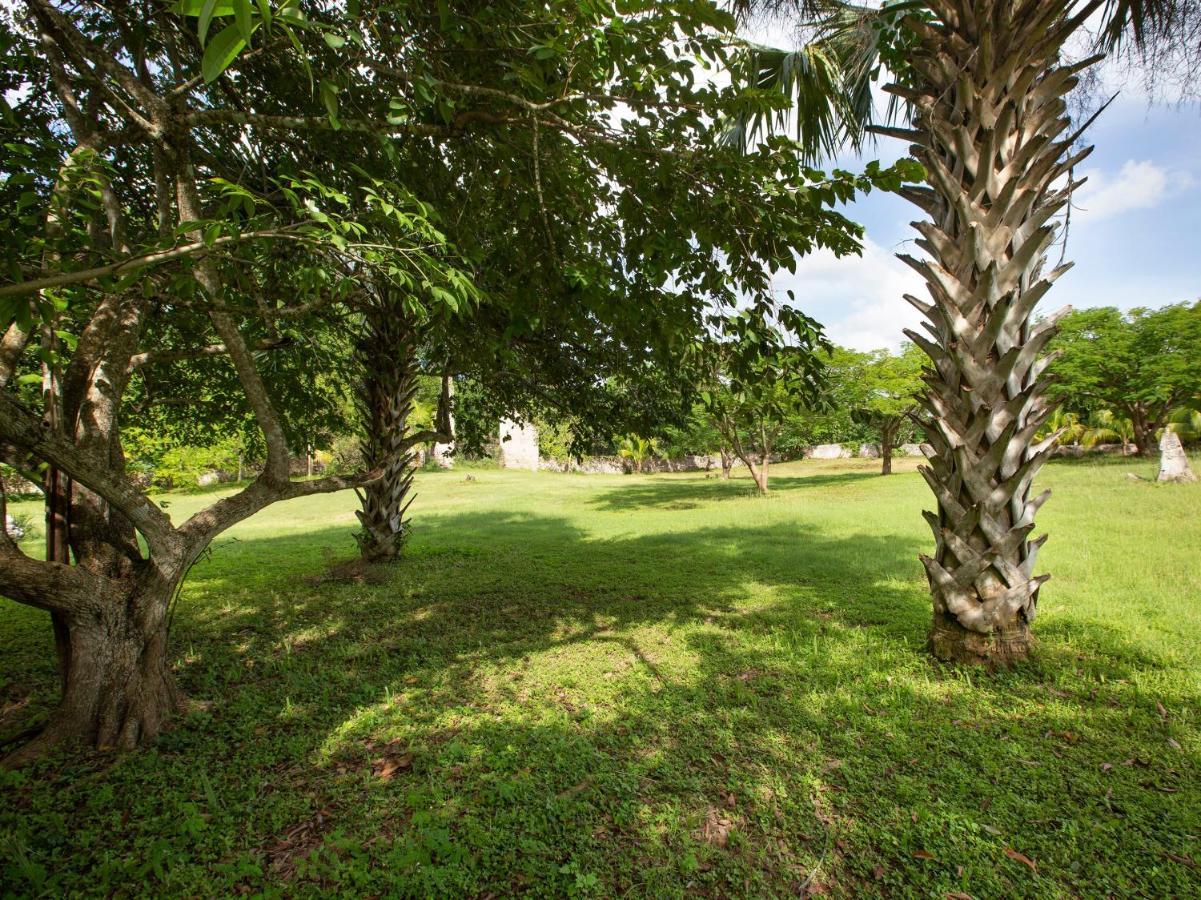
<point x="720" y="712"/>
<point x="671" y="492"/>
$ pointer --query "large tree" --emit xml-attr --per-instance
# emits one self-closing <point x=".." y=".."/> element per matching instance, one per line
<point x="1144" y="364"/>
<point x="598" y="249"/>
<point x="183" y="203"/>
<point x="983" y="85"/>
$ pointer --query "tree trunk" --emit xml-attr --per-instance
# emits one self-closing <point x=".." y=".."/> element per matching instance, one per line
<point x="388" y="360"/>
<point x="886" y="438"/>
<point x="117" y="690"/>
<point x="1144" y="434"/>
<point x="989" y="128"/>
<point x="727" y="463"/>
<point x="759" y="473"/>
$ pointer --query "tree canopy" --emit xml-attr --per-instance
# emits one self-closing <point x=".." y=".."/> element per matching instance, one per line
<point x="1142" y="364"/>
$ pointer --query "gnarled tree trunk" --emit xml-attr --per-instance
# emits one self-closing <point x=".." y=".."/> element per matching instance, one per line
<point x="117" y="690"/>
<point x="727" y="463"/>
<point x="990" y="127"/>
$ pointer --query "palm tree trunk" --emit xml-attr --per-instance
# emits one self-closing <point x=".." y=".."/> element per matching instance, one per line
<point x="990" y="128"/>
<point x="388" y="361"/>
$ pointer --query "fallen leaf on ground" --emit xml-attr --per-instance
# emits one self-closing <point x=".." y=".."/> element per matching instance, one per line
<point x="923" y="854"/>
<point x="388" y="766"/>
<point x="716" y="830"/>
<point x="1022" y="858"/>
<point x="1174" y="744"/>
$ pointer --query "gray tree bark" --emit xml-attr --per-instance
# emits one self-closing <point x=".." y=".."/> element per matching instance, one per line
<point x="991" y="129"/>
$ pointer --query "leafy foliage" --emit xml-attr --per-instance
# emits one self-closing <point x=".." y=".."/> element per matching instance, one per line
<point x="1141" y="364"/>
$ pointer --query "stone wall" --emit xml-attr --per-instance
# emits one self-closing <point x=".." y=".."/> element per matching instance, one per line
<point x="828" y="451"/>
<point x="616" y="465"/>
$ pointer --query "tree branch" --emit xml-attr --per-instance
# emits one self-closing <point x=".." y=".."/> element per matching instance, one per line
<point x="129" y="264"/>
<point x="154" y="357"/>
<point x="188" y="203"/>
<point x="25" y="430"/>
<point x="205" y="525"/>
<point x="52" y="586"/>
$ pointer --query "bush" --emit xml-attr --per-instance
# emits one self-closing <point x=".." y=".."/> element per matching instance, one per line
<point x="554" y="441"/>
<point x="183" y="466"/>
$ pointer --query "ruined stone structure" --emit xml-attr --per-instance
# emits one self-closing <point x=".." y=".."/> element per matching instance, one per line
<point x="1173" y="464"/>
<point x="518" y="445"/>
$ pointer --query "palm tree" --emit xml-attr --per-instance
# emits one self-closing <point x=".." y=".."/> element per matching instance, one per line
<point x="637" y="450"/>
<point x="981" y="88"/>
<point x="1107" y="427"/>
<point x="1064" y="428"/>
<point x="1186" y="422"/>
<point x="390" y="419"/>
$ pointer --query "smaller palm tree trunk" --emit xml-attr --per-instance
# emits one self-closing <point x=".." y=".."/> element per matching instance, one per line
<point x="388" y="362"/>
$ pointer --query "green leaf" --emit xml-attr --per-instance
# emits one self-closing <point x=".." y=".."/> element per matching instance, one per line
<point x="243" y="16"/>
<point x="192" y="8"/>
<point x="221" y="51"/>
<point x="206" y="18"/>
<point x="335" y="41"/>
<point x="265" y="14"/>
<point x="329" y="96"/>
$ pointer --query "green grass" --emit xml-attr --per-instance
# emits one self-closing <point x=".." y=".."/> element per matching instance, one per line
<point x="643" y="686"/>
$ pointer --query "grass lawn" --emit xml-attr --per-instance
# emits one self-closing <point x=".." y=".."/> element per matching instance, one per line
<point x="643" y="686"/>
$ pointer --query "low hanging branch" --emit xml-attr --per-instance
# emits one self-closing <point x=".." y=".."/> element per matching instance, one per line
<point x="139" y="261"/>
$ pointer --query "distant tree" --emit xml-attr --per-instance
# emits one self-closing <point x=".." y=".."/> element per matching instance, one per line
<point x="697" y="434"/>
<point x="1141" y="364"/>
<point x="1186" y="422"/>
<point x="756" y="377"/>
<point x="880" y="389"/>
<point x="1064" y="428"/>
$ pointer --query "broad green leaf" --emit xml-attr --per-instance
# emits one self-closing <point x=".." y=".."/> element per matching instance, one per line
<point x="222" y="50"/>
<point x="329" y="96"/>
<point x="206" y="18"/>
<point x="243" y="16"/>
<point x="192" y="8"/>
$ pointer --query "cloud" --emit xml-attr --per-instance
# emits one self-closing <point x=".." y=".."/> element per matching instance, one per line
<point x="858" y="299"/>
<point x="1137" y="185"/>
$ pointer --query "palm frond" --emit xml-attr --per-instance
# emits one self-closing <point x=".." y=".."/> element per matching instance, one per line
<point x="825" y="86"/>
<point x="1186" y="422"/>
<point x="1143" y="22"/>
